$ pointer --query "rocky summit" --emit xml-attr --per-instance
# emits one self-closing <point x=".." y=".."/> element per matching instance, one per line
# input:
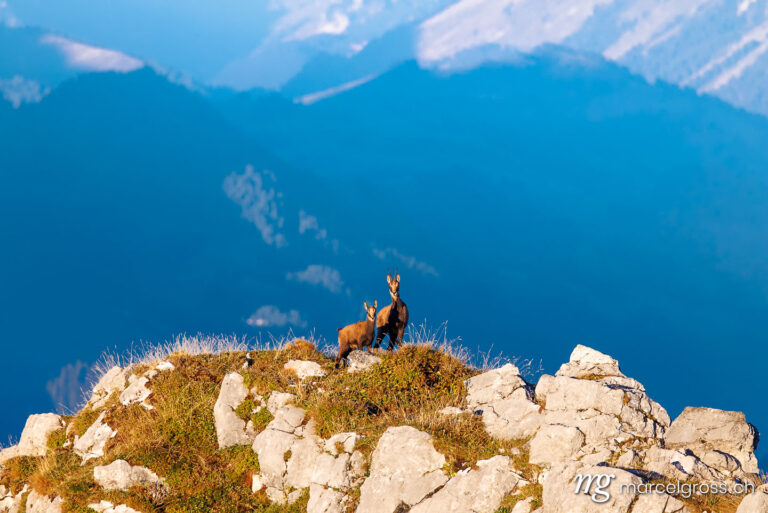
<point x="415" y="430"/>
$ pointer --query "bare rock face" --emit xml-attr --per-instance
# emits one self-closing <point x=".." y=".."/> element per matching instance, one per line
<point x="658" y="503"/>
<point x="560" y="496"/>
<point x="505" y="401"/>
<point x="305" y="369"/>
<point x="756" y="502"/>
<point x="137" y="391"/>
<point x="37" y="503"/>
<point x="92" y="443"/>
<point x="120" y="475"/>
<point x="405" y="469"/>
<point x="230" y="429"/>
<point x="115" y="380"/>
<point x="524" y="506"/>
<point x="9" y="502"/>
<point x="108" y="507"/>
<point x="591" y="394"/>
<point x="713" y="435"/>
<point x="326" y="500"/>
<point x="360" y="361"/>
<point x="679" y="465"/>
<point x="34" y="438"/>
<point x="555" y="443"/>
<point x="478" y="490"/>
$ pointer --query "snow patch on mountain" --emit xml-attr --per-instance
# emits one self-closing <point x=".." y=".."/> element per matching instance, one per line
<point x="91" y="58"/>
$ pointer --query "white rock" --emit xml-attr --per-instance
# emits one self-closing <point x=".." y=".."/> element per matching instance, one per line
<point x="559" y="490"/>
<point x="756" y="502"/>
<point x="120" y="475"/>
<point x="257" y="483"/>
<point x="658" y="503"/>
<point x="679" y="465"/>
<point x="37" y="430"/>
<point x="630" y="459"/>
<point x="165" y="366"/>
<point x="115" y="380"/>
<point x="10" y="503"/>
<point x="305" y="369"/>
<point x="230" y="429"/>
<point x="523" y="506"/>
<point x="332" y="471"/>
<point x="271" y="446"/>
<point x="91" y="444"/>
<point x="555" y="443"/>
<point x="326" y="500"/>
<point x="7" y="454"/>
<point x="706" y="429"/>
<point x="137" y="391"/>
<point x="478" y="490"/>
<point x="347" y="441"/>
<point x="300" y="467"/>
<point x="359" y="361"/>
<point x="405" y="468"/>
<point x="37" y="503"/>
<point x="277" y="400"/>
<point x="586" y="361"/>
<point x="108" y="507"/>
<point x="494" y="385"/>
<point x="288" y="419"/>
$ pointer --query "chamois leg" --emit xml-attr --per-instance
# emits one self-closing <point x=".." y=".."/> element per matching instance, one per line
<point x="380" y="332"/>
<point x="398" y="339"/>
<point x="343" y="353"/>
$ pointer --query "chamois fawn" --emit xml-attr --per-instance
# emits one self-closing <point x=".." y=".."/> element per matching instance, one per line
<point x="393" y="318"/>
<point x="358" y="335"/>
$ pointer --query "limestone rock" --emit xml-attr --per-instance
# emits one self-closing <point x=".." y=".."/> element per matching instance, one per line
<point x="7" y="454"/>
<point x="478" y="490"/>
<point x="37" y="430"/>
<point x="555" y="443"/>
<point x="405" y="468"/>
<point x="359" y="361"/>
<point x="38" y="503"/>
<point x="305" y="369"/>
<point x="277" y="400"/>
<point x="165" y="366"/>
<point x="587" y="362"/>
<point x="704" y="430"/>
<point x="630" y="459"/>
<point x="10" y="503"/>
<point x="230" y="429"/>
<point x="559" y="490"/>
<point x="108" y="507"/>
<point x="91" y="444"/>
<point x="495" y="385"/>
<point x="120" y="475"/>
<point x="658" y="503"/>
<point x="504" y="399"/>
<point x="756" y="502"/>
<point x="326" y="500"/>
<point x="679" y="465"/>
<point x="137" y="391"/>
<point x="346" y="441"/>
<point x="523" y="506"/>
<point x="115" y="380"/>
<point x="451" y="410"/>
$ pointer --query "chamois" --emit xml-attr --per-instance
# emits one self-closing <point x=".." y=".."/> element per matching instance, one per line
<point x="358" y="335"/>
<point x="393" y="318"/>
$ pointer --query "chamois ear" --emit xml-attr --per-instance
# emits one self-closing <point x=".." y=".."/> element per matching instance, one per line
<point x="397" y="277"/>
<point x="375" y="303"/>
<point x="365" y="304"/>
<point x="389" y="278"/>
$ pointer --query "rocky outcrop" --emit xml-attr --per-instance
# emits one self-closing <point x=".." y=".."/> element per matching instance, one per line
<point x="305" y="369"/>
<point x="756" y="502"/>
<point x="34" y="437"/>
<point x="591" y="394"/>
<point x="560" y="495"/>
<point x="359" y="361"/>
<point x="555" y="443"/>
<point x="478" y="490"/>
<point x="120" y="475"/>
<point x="38" y="503"/>
<point x="230" y="429"/>
<point x="114" y="380"/>
<point x="405" y="469"/>
<point x="10" y="502"/>
<point x="504" y="400"/>
<point x="91" y="444"/>
<point x="721" y="439"/>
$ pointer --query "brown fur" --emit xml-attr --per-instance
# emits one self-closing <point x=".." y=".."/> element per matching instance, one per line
<point x="392" y="319"/>
<point x="358" y="335"/>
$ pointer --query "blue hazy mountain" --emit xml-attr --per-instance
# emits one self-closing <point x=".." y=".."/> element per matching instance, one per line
<point x="534" y="206"/>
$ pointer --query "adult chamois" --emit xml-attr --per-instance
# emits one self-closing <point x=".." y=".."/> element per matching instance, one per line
<point x="393" y="318"/>
<point x="358" y="335"/>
